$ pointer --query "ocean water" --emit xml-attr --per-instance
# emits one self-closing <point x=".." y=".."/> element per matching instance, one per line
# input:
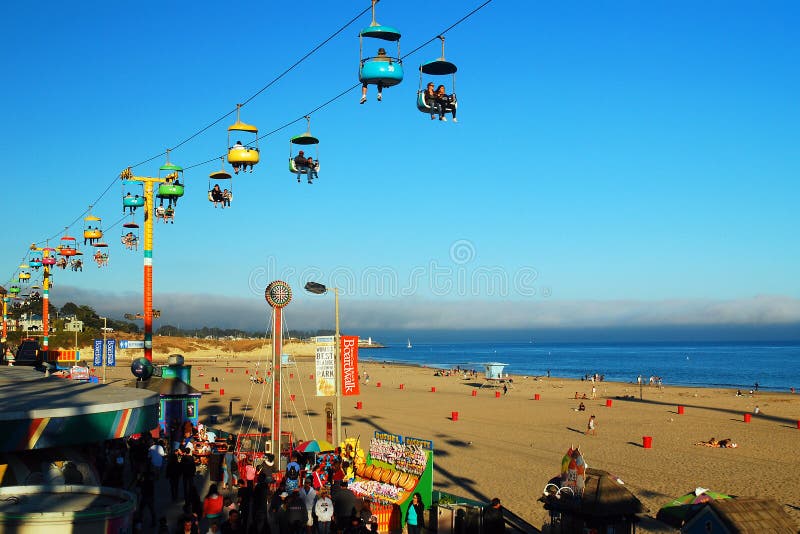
<point x="774" y="366"/>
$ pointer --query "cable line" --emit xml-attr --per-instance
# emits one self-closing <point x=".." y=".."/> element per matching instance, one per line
<point x="252" y="97"/>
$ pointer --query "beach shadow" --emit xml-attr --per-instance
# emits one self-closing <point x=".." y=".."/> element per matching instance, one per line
<point x="363" y="419"/>
<point x="650" y="494"/>
<point x="575" y="430"/>
<point x="789" y="426"/>
<point x="636" y="444"/>
<point x="456" y="443"/>
<point x="311" y="413"/>
<point x="738" y="412"/>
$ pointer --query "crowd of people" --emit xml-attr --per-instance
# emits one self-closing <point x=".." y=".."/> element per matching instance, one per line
<point x="246" y="495"/>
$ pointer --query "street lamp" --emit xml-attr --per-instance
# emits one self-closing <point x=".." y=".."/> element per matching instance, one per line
<point x="320" y="289"/>
<point x="103" y="356"/>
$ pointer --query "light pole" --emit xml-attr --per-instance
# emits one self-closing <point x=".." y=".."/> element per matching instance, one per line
<point x="320" y="289"/>
<point x="103" y="350"/>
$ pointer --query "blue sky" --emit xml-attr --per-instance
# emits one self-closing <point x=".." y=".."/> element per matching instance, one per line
<point x="607" y="153"/>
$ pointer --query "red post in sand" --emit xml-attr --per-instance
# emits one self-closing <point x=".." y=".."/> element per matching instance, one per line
<point x="536" y="396"/>
<point x="311" y="377"/>
<point x="291" y="396"/>
<point x="222" y="392"/>
<point x="496" y="394"/>
<point x="454" y="416"/>
<point x="378" y="385"/>
<point x="402" y="386"/>
<point x="474" y="392"/>
<point x="609" y="402"/>
<point x="647" y="442"/>
<point x="747" y="418"/>
<point x="206" y="386"/>
<point x="359" y="405"/>
<point x="680" y="410"/>
<point x="433" y="389"/>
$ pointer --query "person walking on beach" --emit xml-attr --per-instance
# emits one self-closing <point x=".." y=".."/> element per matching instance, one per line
<point x="493" y="522"/>
<point x="505" y="389"/>
<point x="590" y="428"/>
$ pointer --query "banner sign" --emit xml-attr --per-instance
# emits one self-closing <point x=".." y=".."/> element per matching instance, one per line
<point x="405" y="454"/>
<point x="349" y="365"/>
<point x="98" y="352"/>
<point x="131" y="344"/>
<point x="325" y="371"/>
<point x="111" y="356"/>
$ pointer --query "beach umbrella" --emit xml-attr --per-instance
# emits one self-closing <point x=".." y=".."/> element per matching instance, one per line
<point x="681" y="509"/>
<point x="314" y="445"/>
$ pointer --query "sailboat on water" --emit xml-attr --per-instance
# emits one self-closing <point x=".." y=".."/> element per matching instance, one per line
<point x="408" y="345"/>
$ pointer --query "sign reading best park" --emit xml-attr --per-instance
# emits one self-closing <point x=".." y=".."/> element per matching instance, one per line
<point x="326" y="365"/>
<point x="349" y="351"/>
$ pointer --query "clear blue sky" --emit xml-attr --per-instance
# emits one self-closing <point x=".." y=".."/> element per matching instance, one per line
<point x="635" y="152"/>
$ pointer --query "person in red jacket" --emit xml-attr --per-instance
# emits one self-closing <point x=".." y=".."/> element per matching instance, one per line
<point x="212" y="505"/>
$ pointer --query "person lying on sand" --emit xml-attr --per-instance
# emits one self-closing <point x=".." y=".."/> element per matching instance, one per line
<point x="726" y="443"/>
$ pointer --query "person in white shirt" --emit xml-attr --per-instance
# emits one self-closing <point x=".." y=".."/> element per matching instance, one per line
<point x="308" y="494"/>
<point x="156" y="454"/>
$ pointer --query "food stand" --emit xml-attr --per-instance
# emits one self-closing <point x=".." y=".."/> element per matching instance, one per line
<point x="395" y="468"/>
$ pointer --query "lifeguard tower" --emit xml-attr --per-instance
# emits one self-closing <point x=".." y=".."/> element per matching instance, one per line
<point x="494" y="376"/>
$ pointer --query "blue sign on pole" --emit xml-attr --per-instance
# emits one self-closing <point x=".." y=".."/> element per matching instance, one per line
<point x="111" y="357"/>
<point x="98" y="352"/>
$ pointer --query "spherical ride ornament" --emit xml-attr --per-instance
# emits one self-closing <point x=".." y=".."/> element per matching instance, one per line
<point x="142" y="368"/>
<point x="278" y="294"/>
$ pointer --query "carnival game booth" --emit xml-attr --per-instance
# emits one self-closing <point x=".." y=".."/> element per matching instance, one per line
<point x="394" y="469"/>
<point x="178" y="400"/>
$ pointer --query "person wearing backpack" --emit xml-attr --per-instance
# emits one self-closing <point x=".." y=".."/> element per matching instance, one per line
<point x="292" y="475"/>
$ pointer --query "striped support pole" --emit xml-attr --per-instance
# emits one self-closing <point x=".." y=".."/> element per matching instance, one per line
<point x="148" y="270"/>
<point x="5" y="317"/>
<point x="46" y="304"/>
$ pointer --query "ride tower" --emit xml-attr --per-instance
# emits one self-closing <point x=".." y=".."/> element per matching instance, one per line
<point x="148" y="183"/>
<point x="278" y="295"/>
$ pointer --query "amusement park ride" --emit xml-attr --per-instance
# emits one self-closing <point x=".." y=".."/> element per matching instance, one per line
<point x="243" y="153"/>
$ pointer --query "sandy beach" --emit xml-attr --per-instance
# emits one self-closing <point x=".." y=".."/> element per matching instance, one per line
<point x="509" y="447"/>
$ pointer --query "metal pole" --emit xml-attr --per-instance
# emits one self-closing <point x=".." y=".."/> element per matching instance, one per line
<point x="338" y="371"/>
<point x="104" y="352"/>
<point x="276" y="383"/>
